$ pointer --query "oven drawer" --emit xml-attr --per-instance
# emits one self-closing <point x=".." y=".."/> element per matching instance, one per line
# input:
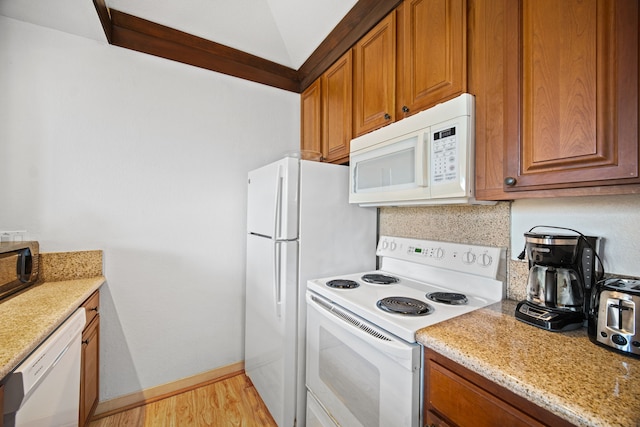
<point x="316" y="416"/>
<point x="360" y="374"/>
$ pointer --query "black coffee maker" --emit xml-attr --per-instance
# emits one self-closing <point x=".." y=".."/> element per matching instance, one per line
<point x="562" y="274"/>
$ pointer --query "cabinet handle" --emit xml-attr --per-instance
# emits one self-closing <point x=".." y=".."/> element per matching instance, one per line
<point x="93" y="309"/>
<point x="85" y="342"/>
<point x="510" y="181"/>
<point x="387" y="116"/>
<point x="405" y="109"/>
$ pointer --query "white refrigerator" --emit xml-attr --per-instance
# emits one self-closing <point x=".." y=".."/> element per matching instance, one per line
<point x="300" y="226"/>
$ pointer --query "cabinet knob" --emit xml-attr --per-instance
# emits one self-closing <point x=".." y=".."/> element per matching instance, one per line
<point x="510" y="181"/>
<point x="405" y="109"/>
<point x="387" y="116"/>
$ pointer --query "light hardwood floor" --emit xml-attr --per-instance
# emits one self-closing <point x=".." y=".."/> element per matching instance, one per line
<point x="229" y="402"/>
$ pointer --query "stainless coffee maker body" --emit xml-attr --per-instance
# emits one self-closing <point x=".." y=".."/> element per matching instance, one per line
<point x="561" y="277"/>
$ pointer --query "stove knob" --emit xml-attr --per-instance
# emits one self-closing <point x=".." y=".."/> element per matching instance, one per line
<point x="485" y="260"/>
<point x="468" y="257"/>
<point x="439" y="254"/>
<point x="393" y="246"/>
<point x="385" y="244"/>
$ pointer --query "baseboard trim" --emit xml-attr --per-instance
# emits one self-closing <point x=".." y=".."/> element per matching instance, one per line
<point x="153" y="394"/>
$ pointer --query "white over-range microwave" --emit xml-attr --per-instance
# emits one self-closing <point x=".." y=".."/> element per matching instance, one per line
<point x="424" y="159"/>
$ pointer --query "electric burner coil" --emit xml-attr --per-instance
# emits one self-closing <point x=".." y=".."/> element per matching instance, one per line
<point x="380" y="279"/>
<point x="451" y="298"/>
<point x="405" y="306"/>
<point x="342" y="284"/>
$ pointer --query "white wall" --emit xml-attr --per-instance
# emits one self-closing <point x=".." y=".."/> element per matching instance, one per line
<point x="105" y="148"/>
<point x="614" y="218"/>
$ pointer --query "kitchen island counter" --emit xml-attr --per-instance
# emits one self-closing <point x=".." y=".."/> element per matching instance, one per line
<point x="27" y="318"/>
<point x="564" y="373"/>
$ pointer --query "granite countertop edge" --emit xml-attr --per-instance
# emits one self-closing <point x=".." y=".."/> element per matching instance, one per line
<point x="29" y="317"/>
<point x="476" y="341"/>
<point x="537" y="396"/>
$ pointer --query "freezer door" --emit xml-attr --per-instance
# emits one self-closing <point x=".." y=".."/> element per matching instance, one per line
<point x="272" y="205"/>
<point x="271" y="324"/>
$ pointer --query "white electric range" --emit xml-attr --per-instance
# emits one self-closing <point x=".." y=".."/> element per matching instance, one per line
<point x="363" y="362"/>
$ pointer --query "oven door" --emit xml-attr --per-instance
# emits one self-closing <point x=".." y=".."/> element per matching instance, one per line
<point x="360" y="374"/>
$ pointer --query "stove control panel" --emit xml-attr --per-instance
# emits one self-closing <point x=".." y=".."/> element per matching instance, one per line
<point x="473" y="259"/>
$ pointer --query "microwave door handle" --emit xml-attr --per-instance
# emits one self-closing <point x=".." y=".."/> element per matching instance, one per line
<point x="422" y="158"/>
<point x="354" y="180"/>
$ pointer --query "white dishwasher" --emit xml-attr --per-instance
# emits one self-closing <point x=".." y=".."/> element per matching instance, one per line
<point x="44" y="390"/>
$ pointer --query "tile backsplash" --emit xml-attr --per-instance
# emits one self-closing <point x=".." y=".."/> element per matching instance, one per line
<point x="614" y="219"/>
<point x="475" y="224"/>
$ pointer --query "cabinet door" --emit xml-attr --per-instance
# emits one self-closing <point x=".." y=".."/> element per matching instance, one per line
<point x="487" y="42"/>
<point x="433" y="44"/>
<point x="336" y="110"/>
<point x="374" y="77"/>
<point x="89" y="382"/>
<point x="572" y="93"/>
<point x="311" y="122"/>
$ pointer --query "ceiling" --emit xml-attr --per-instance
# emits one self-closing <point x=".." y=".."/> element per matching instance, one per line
<point x="282" y="31"/>
<point x="77" y="17"/>
<point x="286" y="44"/>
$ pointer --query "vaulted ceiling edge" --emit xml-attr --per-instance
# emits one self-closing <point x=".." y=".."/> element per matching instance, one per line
<point x="144" y="36"/>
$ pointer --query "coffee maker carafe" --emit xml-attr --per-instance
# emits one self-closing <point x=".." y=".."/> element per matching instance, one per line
<point x="561" y="276"/>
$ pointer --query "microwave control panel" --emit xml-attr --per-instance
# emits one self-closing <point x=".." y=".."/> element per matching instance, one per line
<point x="444" y="156"/>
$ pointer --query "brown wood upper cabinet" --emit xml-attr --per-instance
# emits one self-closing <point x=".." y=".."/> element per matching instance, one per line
<point x="311" y="123"/>
<point x="336" y="110"/>
<point x="374" y="77"/>
<point x="326" y="113"/>
<point x="556" y="85"/>
<point x="432" y="53"/>
<point x="412" y="60"/>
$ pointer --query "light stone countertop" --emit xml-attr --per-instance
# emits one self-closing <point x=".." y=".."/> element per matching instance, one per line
<point x="28" y="317"/>
<point x="564" y="373"/>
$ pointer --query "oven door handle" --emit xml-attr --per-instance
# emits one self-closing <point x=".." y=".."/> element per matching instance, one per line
<point x="371" y="334"/>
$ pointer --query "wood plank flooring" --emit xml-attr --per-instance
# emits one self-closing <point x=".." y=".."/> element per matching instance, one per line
<point x="230" y="402"/>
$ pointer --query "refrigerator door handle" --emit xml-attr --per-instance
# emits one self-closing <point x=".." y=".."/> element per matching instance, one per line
<point x="277" y="277"/>
<point x="277" y="217"/>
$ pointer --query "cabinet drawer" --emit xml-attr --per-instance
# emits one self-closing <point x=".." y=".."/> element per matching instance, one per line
<point x="466" y="404"/>
<point x="92" y="306"/>
<point x="457" y="396"/>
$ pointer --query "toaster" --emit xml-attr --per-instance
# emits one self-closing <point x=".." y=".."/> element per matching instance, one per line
<point x="615" y="315"/>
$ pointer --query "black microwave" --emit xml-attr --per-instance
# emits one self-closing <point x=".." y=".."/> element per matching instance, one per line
<point x="19" y="263"/>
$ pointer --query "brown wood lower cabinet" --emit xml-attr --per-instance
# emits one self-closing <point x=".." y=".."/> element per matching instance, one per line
<point x="456" y="396"/>
<point x="1" y="405"/>
<point x="89" y="374"/>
